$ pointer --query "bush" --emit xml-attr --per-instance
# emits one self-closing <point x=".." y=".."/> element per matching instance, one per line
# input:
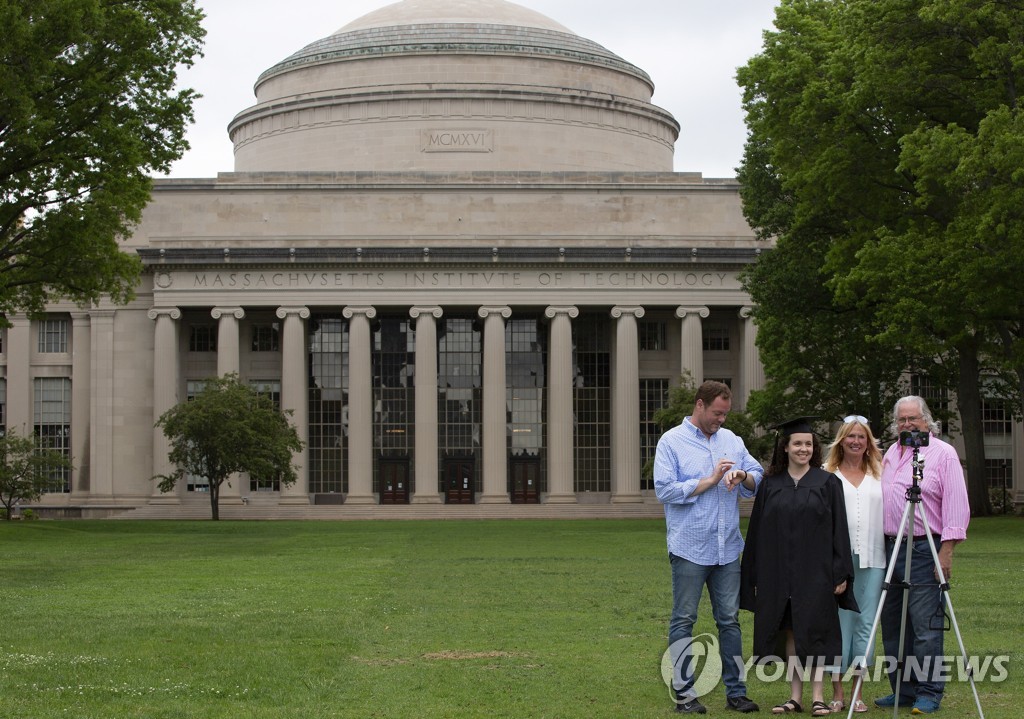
<point x="1001" y="500"/>
<point x="29" y="514"/>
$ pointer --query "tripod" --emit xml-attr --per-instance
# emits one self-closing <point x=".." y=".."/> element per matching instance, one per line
<point x="912" y="507"/>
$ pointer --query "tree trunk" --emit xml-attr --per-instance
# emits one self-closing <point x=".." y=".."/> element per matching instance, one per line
<point x="214" y="500"/>
<point x="968" y="403"/>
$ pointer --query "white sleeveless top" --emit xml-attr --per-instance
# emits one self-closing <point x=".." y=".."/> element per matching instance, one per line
<point x="864" y="515"/>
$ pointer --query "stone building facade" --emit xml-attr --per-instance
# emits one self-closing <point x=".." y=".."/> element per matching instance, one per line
<point x="453" y="246"/>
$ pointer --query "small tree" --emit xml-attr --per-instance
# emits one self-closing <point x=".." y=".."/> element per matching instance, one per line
<point x="25" y="470"/>
<point x="227" y="428"/>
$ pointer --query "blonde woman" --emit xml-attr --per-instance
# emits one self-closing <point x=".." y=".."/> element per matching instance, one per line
<point x="854" y="457"/>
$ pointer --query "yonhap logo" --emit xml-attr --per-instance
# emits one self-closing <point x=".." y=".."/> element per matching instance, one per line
<point x="695" y="658"/>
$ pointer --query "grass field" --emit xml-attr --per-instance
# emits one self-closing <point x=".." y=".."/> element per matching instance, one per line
<point x="392" y="619"/>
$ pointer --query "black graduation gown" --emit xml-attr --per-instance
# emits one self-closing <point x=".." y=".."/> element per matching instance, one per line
<point x="797" y="550"/>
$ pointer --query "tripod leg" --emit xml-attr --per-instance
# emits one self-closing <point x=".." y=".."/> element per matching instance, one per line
<point x="890" y="568"/>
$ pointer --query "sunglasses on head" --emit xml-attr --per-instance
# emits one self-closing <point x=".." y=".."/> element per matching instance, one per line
<point x="855" y="418"/>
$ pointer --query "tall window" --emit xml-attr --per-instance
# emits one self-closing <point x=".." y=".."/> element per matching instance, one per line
<point x="653" y="396"/>
<point x="394" y="394"/>
<point x="934" y="394"/>
<point x="592" y="404"/>
<point x="53" y="335"/>
<point x="651" y="334"/>
<point x="459" y="391"/>
<point x="271" y="389"/>
<point x="202" y="338"/>
<point x="328" y="412"/>
<point x="194" y="482"/>
<point x="995" y="420"/>
<point x="526" y="376"/>
<point x="266" y="337"/>
<point x="3" y="406"/>
<point x="53" y="425"/>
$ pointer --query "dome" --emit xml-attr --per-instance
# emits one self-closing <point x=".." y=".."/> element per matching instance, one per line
<point x="443" y="85"/>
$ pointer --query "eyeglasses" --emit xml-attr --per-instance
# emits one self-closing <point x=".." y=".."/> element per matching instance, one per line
<point x="907" y="420"/>
<point x="855" y="418"/>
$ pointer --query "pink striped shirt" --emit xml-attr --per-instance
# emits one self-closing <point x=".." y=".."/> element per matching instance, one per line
<point x="943" y="490"/>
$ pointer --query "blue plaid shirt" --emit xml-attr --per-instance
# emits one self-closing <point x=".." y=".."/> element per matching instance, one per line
<point x="704" y="529"/>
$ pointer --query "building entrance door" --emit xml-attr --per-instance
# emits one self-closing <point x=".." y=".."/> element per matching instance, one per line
<point x="394" y="481"/>
<point x="458" y="481"/>
<point x="525" y="474"/>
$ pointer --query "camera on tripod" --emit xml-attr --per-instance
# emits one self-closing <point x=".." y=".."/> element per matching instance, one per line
<point x="913" y="438"/>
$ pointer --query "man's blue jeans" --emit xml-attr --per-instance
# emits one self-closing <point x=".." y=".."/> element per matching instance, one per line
<point x="924" y="630"/>
<point x="723" y="582"/>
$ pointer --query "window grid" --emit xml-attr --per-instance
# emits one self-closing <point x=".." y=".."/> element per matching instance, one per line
<point x="195" y="482"/>
<point x="328" y="410"/>
<point x="394" y="392"/>
<point x="271" y="389"/>
<point x="52" y="425"/>
<point x="715" y="339"/>
<point x="592" y="404"/>
<point x="999" y="473"/>
<point x="202" y="338"/>
<point x="266" y="337"/>
<point x="651" y="335"/>
<point x="3" y="406"/>
<point x="53" y="335"/>
<point x="995" y="420"/>
<point x="935" y="395"/>
<point x="526" y="356"/>
<point x="460" y="396"/>
<point x="653" y="396"/>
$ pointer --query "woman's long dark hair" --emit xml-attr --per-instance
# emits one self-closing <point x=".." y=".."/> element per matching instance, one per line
<point x="780" y="460"/>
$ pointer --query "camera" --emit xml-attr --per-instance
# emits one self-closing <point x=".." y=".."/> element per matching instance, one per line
<point x="913" y="438"/>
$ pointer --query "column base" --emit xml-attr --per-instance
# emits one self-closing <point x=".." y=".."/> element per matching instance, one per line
<point x="494" y="499"/>
<point x="426" y="498"/>
<point x="627" y="499"/>
<point x="360" y="499"/>
<point x="561" y="499"/>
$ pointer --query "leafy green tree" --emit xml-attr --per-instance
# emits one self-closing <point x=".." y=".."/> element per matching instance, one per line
<point x="226" y="429"/>
<point x="25" y="470"/>
<point x="890" y="130"/>
<point x="89" y="111"/>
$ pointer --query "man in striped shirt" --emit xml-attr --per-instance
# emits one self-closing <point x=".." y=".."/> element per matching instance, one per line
<point x="700" y="472"/>
<point x="945" y="506"/>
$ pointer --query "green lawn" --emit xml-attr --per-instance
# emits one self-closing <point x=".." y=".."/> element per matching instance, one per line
<point x="391" y="619"/>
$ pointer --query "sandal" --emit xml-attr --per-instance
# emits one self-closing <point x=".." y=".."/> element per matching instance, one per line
<point x="789" y="706"/>
<point x="819" y="709"/>
<point x="836" y="705"/>
<point x="859" y="707"/>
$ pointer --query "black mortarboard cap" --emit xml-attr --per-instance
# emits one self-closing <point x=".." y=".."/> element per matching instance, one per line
<point x="795" y="425"/>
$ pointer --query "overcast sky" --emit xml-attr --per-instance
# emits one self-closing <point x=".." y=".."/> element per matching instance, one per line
<point x="690" y="48"/>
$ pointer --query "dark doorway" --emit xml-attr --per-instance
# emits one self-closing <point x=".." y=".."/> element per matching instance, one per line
<point x="459" y="481"/>
<point x="525" y="480"/>
<point x="394" y="481"/>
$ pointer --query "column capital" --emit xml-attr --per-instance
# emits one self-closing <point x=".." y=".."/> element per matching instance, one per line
<point x="283" y="312"/>
<point x="483" y="312"/>
<point x="349" y="312"/>
<point x="415" y="312"/>
<point x="746" y="312"/>
<point x="173" y="312"/>
<point x="217" y="312"/>
<point x="618" y="311"/>
<point x="702" y="312"/>
<point x="551" y="312"/>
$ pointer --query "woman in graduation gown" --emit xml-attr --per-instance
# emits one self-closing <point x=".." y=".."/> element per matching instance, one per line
<point x="796" y="567"/>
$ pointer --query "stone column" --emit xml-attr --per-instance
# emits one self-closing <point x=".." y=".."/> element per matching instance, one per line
<point x="751" y="371"/>
<point x="495" y="441"/>
<point x="228" y="354"/>
<point x="80" y="404"/>
<point x="691" y="357"/>
<point x="101" y="406"/>
<point x="165" y="395"/>
<point x="295" y="395"/>
<point x="425" y="449"/>
<point x="19" y="375"/>
<point x="227" y="338"/>
<point x="360" y="406"/>
<point x="561" y="488"/>
<point x="626" y="407"/>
